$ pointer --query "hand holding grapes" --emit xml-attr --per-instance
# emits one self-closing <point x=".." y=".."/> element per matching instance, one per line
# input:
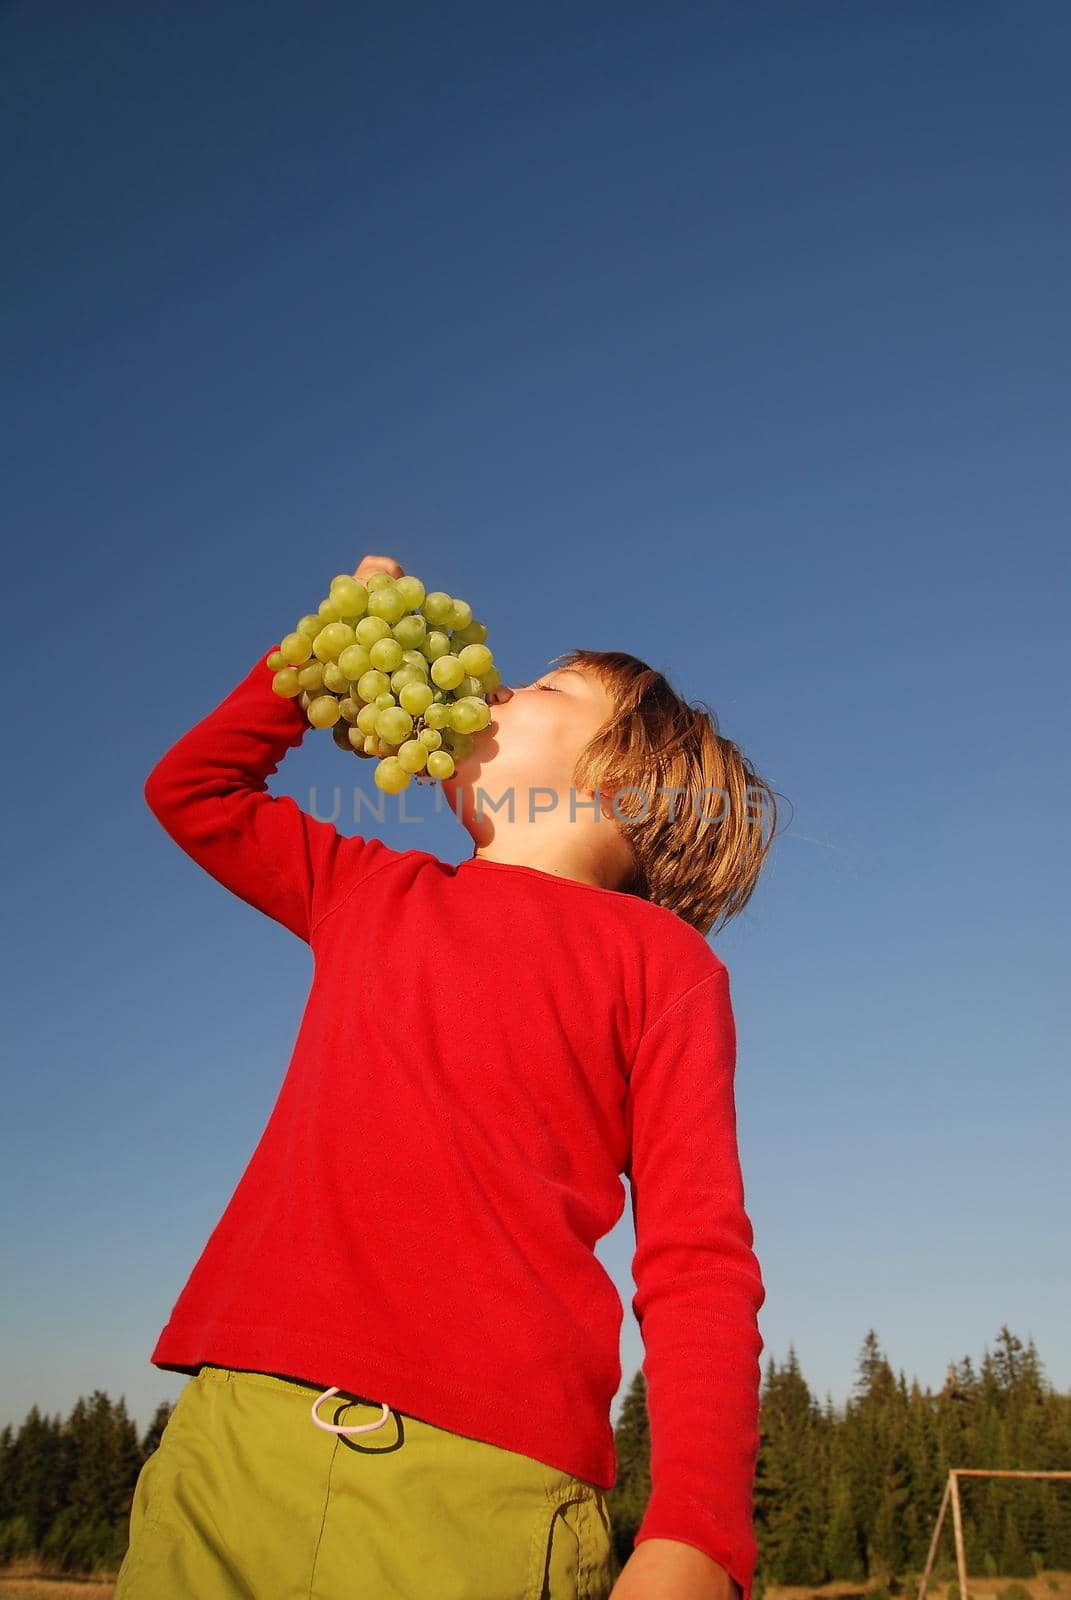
<point x="394" y="672"/>
<point x="370" y="564"/>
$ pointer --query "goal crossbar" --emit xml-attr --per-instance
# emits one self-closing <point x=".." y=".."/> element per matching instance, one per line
<point x="951" y="1495"/>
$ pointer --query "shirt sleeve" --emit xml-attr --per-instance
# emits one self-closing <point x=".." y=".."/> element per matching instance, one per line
<point x="698" y="1284"/>
<point x="209" y="793"/>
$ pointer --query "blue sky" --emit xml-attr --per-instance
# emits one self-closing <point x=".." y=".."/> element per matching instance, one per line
<point x="735" y="336"/>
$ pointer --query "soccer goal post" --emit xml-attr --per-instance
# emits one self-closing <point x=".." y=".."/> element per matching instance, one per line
<point x="951" y="1494"/>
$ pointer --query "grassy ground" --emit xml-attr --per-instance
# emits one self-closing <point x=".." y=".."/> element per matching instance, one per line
<point x="1046" y="1586"/>
<point x="54" y="1589"/>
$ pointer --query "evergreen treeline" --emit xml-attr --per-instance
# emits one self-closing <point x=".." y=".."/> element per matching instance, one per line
<point x="854" y="1495"/>
<point x="849" y="1495"/>
<point x="66" y="1487"/>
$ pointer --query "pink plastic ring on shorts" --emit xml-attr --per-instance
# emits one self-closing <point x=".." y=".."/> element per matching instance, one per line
<point x="334" y="1427"/>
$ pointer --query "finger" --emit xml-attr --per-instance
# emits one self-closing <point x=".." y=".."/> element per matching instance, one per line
<point x="382" y="564"/>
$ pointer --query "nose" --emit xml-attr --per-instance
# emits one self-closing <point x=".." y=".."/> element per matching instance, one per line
<point x="499" y="695"/>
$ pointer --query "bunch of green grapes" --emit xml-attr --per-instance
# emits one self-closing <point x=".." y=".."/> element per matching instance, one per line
<point x="395" y="672"/>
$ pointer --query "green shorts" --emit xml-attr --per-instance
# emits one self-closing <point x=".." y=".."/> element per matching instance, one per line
<point x="245" y="1498"/>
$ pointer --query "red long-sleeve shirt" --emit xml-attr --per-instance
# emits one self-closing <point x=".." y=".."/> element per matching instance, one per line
<point x="485" y="1050"/>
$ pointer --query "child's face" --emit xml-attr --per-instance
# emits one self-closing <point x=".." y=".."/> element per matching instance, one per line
<point x="536" y="732"/>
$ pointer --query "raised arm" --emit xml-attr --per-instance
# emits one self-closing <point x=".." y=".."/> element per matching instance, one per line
<point x="698" y="1292"/>
<point x="209" y="793"/>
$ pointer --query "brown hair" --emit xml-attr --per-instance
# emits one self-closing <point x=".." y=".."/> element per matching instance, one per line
<point x="691" y="855"/>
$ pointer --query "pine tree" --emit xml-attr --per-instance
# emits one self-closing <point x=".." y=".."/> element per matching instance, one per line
<point x="788" y="1491"/>
<point x="161" y="1417"/>
<point x="627" y="1500"/>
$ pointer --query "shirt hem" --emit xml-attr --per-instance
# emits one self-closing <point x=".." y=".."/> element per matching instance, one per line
<point x="484" y="1414"/>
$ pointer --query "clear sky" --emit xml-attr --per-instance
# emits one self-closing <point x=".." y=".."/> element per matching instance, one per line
<point x="733" y="335"/>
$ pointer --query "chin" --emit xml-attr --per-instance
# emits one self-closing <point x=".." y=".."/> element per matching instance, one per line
<point x="469" y="771"/>
<point x="460" y="795"/>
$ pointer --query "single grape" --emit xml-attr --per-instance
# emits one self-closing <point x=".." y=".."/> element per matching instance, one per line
<point x="436" y="644"/>
<point x="366" y="719"/>
<point x="382" y="701"/>
<point x="411" y="590"/>
<point x="323" y="711"/>
<point x="349" y="710"/>
<point x="369" y="629"/>
<point x="403" y="675"/>
<point x="332" y="640"/>
<point x="440" y="764"/>
<point x="386" y="603"/>
<point x="378" y="580"/>
<point x="340" y="733"/>
<point x="295" y="648"/>
<point x="464" y="717"/>
<point x="415" y="697"/>
<point x="354" y="661"/>
<point x="438" y="607"/>
<point x="413" y="755"/>
<point x="416" y="658"/>
<point x="460" y="615"/>
<point x="437" y="715"/>
<point x="411" y="630"/>
<point x="394" y="723"/>
<point x="371" y="683"/>
<point x="447" y="672"/>
<point x="431" y="737"/>
<point x="469" y="685"/>
<point x="386" y="654"/>
<point x="328" y="612"/>
<point x="275" y="661"/>
<point x="371" y="744"/>
<point x="285" y="682"/>
<point x="335" y="679"/>
<point x="349" y="596"/>
<point x="475" y="633"/>
<point x="311" y="675"/>
<point x="391" y="776"/>
<point x="477" y="659"/>
<point x="490" y="680"/>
